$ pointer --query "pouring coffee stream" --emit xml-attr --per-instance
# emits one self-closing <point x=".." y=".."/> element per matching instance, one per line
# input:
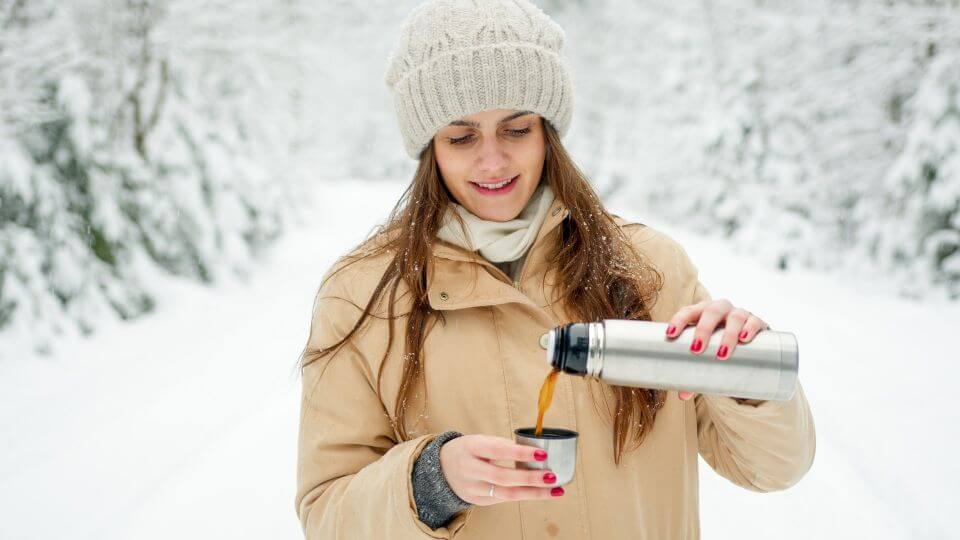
<point x="546" y="396"/>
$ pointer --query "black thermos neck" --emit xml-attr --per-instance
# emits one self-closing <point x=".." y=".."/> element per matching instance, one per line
<point x="571" y="347"/>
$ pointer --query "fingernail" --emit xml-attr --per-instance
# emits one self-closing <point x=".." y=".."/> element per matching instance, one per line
<point x="540" y="455"/>
<point x="557" y="491"/>
<point x="549" y="478"/>
<point x="743" y="335"/>
<point x="670" y="329"/>
<point x="697" y="343"/>
<point x="722" y="352"/>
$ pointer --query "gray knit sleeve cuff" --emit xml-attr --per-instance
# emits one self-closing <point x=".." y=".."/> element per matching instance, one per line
<point x="437" y="504"/>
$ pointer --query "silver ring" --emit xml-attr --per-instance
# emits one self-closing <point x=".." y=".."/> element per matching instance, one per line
<point x="491" y="491"/>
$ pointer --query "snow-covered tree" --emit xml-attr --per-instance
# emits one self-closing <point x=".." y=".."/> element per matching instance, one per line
<point x="154" y="135"/>
<point x="919" y="199"/>
<point x="767" y="122"/>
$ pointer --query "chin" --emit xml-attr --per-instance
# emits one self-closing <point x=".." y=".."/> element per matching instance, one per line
<point x="504" y="212"/>
<point x="499" y="216"/>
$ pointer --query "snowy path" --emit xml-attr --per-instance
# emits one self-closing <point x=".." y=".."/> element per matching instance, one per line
<point x="183" y="425"/>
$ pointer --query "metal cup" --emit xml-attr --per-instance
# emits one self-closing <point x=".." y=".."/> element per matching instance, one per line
<point x="561" y="447"/>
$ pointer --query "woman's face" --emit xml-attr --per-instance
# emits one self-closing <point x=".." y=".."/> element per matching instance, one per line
<point x="476" y="154"/>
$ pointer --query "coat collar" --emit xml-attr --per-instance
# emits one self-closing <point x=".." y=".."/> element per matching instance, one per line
<point x="456" y="279"/>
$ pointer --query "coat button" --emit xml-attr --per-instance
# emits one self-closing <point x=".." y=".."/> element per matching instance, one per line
<point x="444" y="296"/>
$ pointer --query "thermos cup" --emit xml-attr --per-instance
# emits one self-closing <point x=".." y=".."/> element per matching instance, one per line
<point x="561" y="447"/>
<point x="639" y="354"/>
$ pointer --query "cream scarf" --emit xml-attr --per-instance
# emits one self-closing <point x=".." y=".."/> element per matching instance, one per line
<point x="499" y="241"/>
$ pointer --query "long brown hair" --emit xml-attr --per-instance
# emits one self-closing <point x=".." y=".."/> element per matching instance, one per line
<point x="601" y="276"/>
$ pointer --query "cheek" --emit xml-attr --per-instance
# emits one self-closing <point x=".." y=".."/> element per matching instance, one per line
<point x="534" y="153"/>
<point x="451" y="171"/>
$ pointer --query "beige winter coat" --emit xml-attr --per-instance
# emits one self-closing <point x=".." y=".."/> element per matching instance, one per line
<point x="484" y="369"/>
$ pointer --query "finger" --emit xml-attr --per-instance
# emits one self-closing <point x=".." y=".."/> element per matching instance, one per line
<point x="506" y="476"/>
<point x="684" y="317"/>
<point x="499" y="448"/>
<point x="516" y="493"/>
<point x="712" y="315"/>
<point x="751" y="328"/>
<point x="733" y="325"/>
<point x="684" y="396"/>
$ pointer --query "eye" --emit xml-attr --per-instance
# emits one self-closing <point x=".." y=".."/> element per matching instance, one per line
<point x="460" y="140"/>
<point x="513" y="132"/>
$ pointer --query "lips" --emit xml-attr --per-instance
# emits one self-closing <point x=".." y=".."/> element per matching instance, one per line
<point x="499" y="185"/>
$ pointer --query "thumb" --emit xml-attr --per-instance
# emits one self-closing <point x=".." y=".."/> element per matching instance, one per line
<point x="685" y="395"/>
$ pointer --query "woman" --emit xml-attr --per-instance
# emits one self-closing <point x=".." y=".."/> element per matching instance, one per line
<point x="423" y="352"/>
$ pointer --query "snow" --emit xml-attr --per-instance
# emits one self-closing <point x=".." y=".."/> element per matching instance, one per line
<point x="182" y="424"/>
<point x="758" y="134"/>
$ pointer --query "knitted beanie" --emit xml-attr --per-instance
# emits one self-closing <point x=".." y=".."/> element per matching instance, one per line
<point x="459" y="57"/>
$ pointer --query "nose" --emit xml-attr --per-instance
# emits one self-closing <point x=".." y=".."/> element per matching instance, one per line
<point x="492" y="159"/>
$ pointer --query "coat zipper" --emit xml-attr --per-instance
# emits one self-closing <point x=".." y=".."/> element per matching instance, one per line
<point x="508" y="279"/>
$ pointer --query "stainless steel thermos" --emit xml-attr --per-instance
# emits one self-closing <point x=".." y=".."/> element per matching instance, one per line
<point x="639" y="354"/>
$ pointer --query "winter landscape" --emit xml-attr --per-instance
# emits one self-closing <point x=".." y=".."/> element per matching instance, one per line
<point x="176" y="176"/>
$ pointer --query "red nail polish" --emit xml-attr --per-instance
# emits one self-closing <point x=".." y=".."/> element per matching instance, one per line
<point x="557" y="491"/>
<point x="671" y="329"/>
<point x="540" y="455"/>
<point x="697" y="343"/>
<point x="549" y="478"/>
<point x="722" y="352"/>
<point x="743" y="335"/>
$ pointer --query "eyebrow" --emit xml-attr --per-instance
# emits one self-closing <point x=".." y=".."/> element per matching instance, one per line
<point x="507" y="118"/>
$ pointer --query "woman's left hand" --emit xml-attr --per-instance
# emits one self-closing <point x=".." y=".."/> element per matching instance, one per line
<point x="740" y="326"/>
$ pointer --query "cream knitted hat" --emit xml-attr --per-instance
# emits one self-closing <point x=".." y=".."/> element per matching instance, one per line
<point x="458" y="57"/>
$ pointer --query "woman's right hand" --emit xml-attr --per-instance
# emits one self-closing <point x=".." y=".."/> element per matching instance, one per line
<point x="465" y="462"/>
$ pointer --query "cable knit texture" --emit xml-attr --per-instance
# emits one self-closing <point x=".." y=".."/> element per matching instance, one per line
<point x="499" y="241"/>
<point x="437" y="504"/>
<point x="459" y="57"/>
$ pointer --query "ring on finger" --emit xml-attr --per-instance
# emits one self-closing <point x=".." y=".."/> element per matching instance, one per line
<point x="491" y="491"/>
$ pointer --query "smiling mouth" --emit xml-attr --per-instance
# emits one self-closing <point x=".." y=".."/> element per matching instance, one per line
<point x="495" y="186"/>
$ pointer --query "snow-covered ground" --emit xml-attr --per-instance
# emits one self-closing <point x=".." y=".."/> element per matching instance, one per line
<point x="183" y="424"/>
